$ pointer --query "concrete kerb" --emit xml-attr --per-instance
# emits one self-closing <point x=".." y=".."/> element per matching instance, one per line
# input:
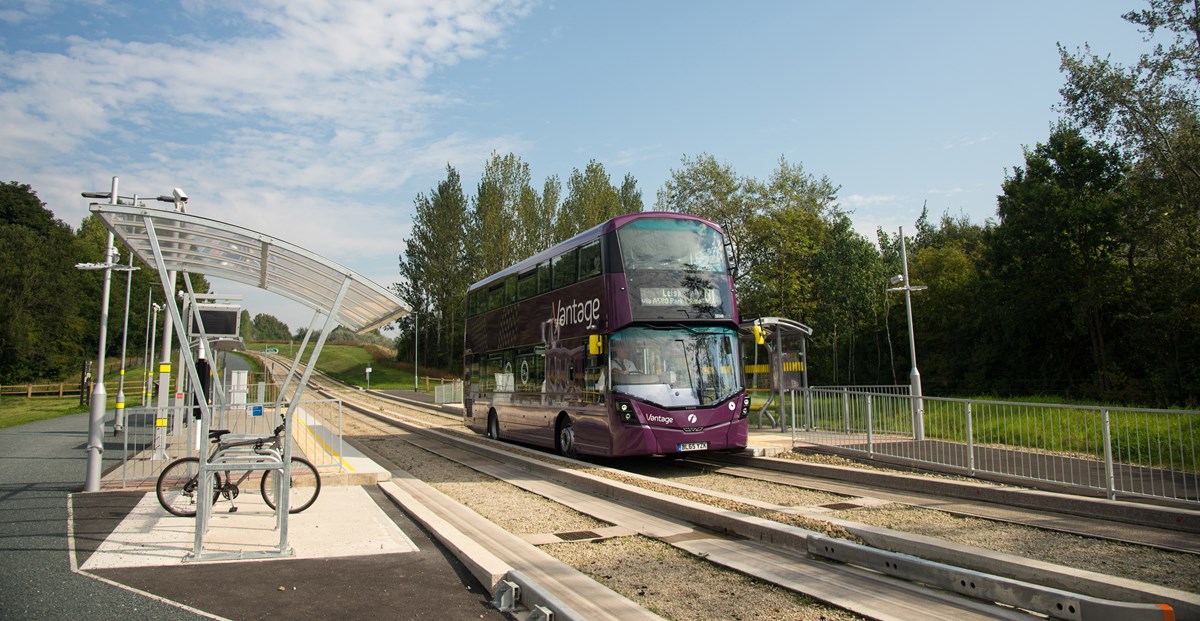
<point x="485" y="566"/>
<point x="1092" y="584"/>
<point x="498" y="576"/>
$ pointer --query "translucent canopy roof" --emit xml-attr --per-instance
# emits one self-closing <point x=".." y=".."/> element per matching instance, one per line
<point x="199" y="245"/>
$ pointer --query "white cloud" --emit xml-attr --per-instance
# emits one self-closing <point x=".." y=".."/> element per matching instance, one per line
<point x="855" y="201"/>
<point x="966" y="140"/>
<point x="303" y="121"/>
<point x="313" y="97"/>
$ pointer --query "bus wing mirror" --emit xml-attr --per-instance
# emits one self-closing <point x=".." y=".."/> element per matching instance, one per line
<point x="595" y="344"/>
<point x="759" y="337"/>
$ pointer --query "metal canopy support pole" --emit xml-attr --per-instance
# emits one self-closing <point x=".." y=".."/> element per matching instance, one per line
<point x="284" y="494"/>
<point x="163" y="401"/>
<point x="778" y="353"/>
<point x="119" y="417"/>
<point x="287" y="380"/>
<point x="202" y="510"/>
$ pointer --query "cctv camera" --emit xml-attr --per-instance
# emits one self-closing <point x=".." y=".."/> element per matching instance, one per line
<point x="179" y="195"/>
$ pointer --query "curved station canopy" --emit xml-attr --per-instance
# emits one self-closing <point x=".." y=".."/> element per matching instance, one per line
<point x="197" y="245"/>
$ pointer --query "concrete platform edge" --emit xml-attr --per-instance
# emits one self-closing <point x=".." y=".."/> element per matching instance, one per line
<point x="484" y="565"/>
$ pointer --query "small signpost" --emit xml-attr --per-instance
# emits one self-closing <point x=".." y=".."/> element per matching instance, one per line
<point x="368" y="378"/>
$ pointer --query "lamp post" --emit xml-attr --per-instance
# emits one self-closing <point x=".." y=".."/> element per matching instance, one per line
<point x="95" y="444"/>
<point x="918" y="404"/>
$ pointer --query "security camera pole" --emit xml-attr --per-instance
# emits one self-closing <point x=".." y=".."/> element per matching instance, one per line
<point x="95" y="444"/>
<point x="918" y="403"/>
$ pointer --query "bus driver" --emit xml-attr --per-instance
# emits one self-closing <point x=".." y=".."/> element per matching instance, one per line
<point x="621" y="362"/>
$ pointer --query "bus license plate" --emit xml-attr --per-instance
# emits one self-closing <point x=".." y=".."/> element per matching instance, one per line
<point x="693" y="446"/>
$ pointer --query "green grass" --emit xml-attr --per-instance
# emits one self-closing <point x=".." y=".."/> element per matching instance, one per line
<point x="20" y="410"/>
<point x="348" y="363"/>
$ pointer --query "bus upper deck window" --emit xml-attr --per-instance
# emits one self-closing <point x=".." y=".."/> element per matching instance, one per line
<point x="527" y="285"/>
<point x="589" y="260"/>
<point x="544" y="283"/>
<point x="565" y="268"/>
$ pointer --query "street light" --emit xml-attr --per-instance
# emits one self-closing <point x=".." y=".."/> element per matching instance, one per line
<point x="95" y="444"/>
<point x="918" y="404"/>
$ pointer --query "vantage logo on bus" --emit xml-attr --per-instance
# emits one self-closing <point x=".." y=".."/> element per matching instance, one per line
<point x="585" y="312"/>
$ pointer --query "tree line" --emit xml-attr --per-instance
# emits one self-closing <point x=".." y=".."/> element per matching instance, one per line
<point x="49" y="309"/>
<point x="1085" y="285"/>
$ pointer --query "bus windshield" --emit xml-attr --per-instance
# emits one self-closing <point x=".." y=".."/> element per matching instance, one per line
<point x="675" y="367"/>
<point x="671" y="244"/>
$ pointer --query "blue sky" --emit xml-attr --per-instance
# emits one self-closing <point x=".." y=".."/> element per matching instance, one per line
<point x="319" y="121"/>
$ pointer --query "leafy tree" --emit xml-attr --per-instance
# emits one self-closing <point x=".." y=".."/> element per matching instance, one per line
<point x="1150" y="109"/>
<point x="493" y="240"/>
<point x="42" y="330"/>
<point x="592" y="199"/>
<point x="435" y="270"/>
<point x="1055" y="254"/>
<point x="270" y="328"/>
<point x="246" y="327"/>
<point x="950" y="317"/>
<point x="709" y="189"/>
<point x="536" y="215"/>
<point x="631" y="197"/>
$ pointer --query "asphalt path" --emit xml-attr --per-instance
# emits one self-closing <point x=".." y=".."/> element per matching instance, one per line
<point x="40" y="465"/>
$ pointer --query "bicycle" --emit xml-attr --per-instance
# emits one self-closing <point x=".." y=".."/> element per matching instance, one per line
<point x="178" y="485"/>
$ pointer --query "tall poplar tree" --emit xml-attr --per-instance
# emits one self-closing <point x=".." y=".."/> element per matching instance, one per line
<point x="591" y="199"/>
<point x="435" y="270"/>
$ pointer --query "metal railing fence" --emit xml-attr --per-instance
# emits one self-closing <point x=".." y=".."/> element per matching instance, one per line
<point x="147" y="446"/>
<point x="449" y="392"/>
<point x="1116" y="450"/>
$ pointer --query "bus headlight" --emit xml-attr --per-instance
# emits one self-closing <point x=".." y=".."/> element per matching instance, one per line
<point x="745" y="406"/>
<point x="625" y="411"/>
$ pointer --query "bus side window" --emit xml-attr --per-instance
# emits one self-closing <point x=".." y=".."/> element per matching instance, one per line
<point x="510" y="290"/>
<point x="496" y="297"/>
<point x="589" y="260"/>
<point x="527" y="285"/>
<point x="543" y="277"/>
<point x="566" y="268"/>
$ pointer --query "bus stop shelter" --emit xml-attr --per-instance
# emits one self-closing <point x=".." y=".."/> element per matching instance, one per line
<point x="175" y="242"/>
<point x="786" y="370"/>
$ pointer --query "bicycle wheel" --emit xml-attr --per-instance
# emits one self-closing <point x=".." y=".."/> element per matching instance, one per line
<point x="306" y="485"/>
<point x="177" y="486"/>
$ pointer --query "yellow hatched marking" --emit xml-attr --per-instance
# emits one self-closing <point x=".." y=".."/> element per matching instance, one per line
<point x="328" y="449"/>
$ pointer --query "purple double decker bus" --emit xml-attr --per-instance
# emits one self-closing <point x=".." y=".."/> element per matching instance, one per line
<point x="622" y="340"/>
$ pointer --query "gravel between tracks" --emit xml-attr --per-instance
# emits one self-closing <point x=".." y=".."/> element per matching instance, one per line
<point x="657" y="576"/>
<point x="662" y="578"/>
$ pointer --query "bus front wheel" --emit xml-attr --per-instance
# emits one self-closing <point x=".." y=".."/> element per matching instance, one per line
<point x="565" y="437"/>
<point x="493" y="426"/>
